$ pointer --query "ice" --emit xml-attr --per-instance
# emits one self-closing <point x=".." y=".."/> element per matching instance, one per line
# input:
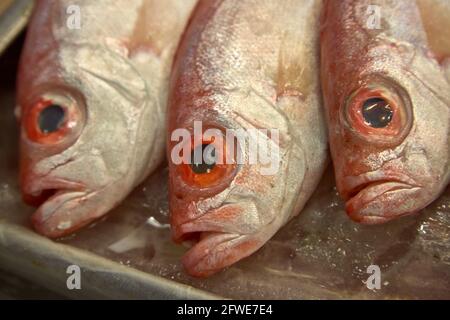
<point x="319" y="254"/>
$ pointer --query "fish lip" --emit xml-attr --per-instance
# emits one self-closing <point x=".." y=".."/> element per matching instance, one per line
<point x="189" y="231"/>
<point x="353" y="185"/>
<point x="41" y="189"/>
<point x="197" y="226"/>
<point x="42" y="216"/>
<point x="366" y="189"/>
<point x="196" y="255"/>
<point x="49" y="193"/>
<point x="216" y="246"/>
<point x="196" y="237"/>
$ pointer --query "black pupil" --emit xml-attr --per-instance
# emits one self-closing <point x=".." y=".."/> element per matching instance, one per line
<point x="377" y="112"/>
<point x="207" y="161"/>
<point x="51" y="118"/>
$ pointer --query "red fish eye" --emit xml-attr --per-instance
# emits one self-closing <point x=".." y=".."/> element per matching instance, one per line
<point x="212" y="167"/>
<point x="50" y="121"/>
<point x="379" y="114"/>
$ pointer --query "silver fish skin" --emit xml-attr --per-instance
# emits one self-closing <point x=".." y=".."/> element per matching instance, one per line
<point x="246" y="65"/>
<point x="92" y="96"/>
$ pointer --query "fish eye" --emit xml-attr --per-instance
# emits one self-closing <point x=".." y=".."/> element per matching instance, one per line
<point x="211" y="163"/>
<point x="207" y="161"/>
<point x="51" y="118"/>
<point x="377" y="112"/>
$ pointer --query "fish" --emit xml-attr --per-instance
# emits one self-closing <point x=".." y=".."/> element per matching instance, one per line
<point x="386" y="95"/>
<point x="92" y="91"/>
<point x="243" y="67"/>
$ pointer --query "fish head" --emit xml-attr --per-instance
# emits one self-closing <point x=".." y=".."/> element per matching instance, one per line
<point x="83" y="143"/>
<point x="230" y="208"/>
<point x="258" y="108"/>
<point x="389" y="133"/>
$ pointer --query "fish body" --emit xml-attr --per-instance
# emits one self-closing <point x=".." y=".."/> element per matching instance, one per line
<point x="92" y="89"/>
<point x="244" y="65"/>
<point x="387" y="102"/>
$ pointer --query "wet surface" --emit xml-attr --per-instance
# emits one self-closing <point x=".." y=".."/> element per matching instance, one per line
<point x="320" y="254"/>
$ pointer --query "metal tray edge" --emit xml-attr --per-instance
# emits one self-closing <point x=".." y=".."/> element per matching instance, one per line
<point x="45" y="262"/>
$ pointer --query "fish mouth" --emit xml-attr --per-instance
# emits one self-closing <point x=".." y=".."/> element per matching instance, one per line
<point x="52" y="196"/>
<point x="222" y="235"/>
<point x="190" y="233"/>
<point x="38" y="191"/>
<point x="375" y="201"/>
<point x="213" y="250"/>
<point x="47" y="223"/>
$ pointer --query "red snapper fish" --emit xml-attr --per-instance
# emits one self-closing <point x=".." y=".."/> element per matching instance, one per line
<point x="387" y="98"/>
<point x="248" y="66"/>
<point x="92" y="90"/>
